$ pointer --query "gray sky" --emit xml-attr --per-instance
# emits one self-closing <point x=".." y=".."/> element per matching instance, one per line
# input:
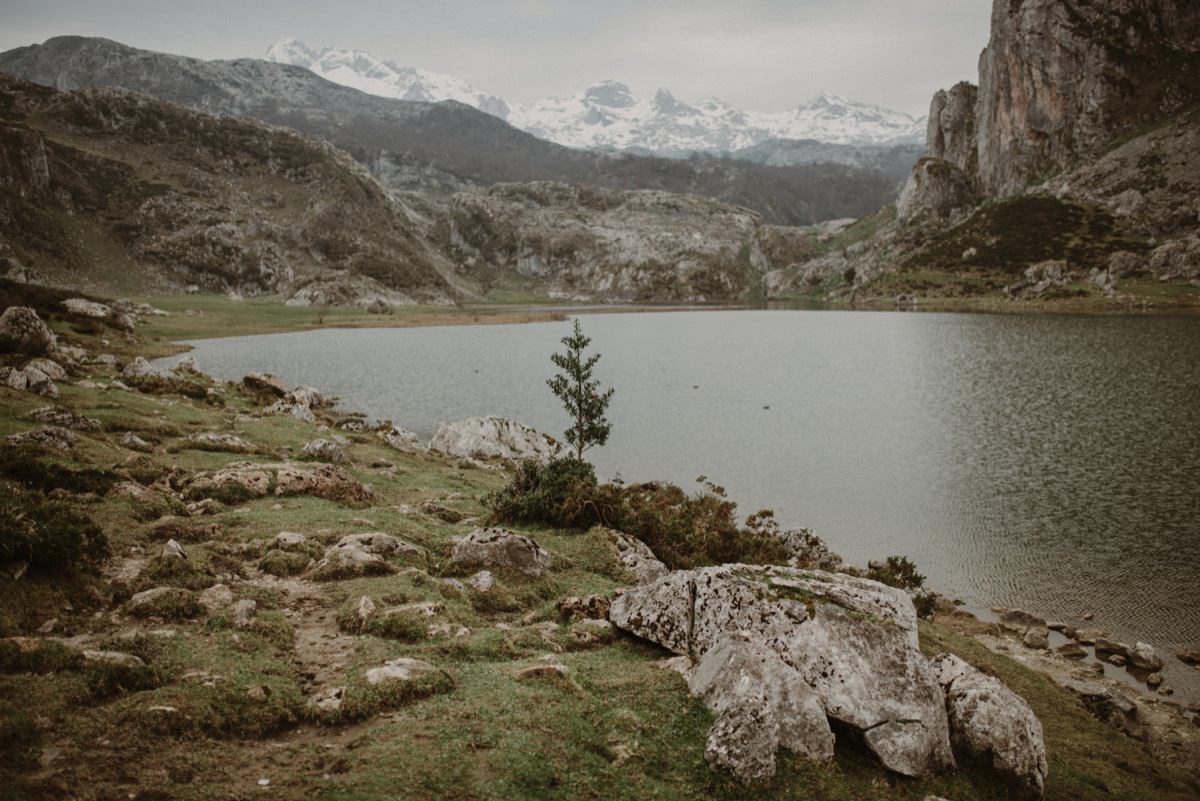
<point x="764" y="55"/>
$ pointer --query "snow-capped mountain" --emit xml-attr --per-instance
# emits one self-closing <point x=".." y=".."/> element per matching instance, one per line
<point x="360" y="70"/>
<point x="607" y="115"/>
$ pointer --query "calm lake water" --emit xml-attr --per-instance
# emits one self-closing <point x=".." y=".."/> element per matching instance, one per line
<point x="1047" y="462"/>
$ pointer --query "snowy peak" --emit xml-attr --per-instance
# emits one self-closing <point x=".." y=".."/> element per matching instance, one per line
<point x="362" y="71"/>
<point x="608" y="115"/>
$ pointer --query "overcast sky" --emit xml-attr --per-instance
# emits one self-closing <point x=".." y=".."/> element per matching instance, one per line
<point x="764" y="55"/>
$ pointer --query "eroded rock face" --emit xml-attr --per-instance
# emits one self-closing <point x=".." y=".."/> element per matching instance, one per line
<point x="993" y="724"/>
<point x="1060" y="78"/>
<point x="936" y="188"/>
<point x="951" y="135"/>
<point x="498" y="548"/>
<point x="762" y="704"/>
<point x="852" y="640"/>
<point x="22" y="331"/>
<point x="493" y="438"/>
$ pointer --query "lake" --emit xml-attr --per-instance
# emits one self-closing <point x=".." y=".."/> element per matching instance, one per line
<point x="1050" y="462"/>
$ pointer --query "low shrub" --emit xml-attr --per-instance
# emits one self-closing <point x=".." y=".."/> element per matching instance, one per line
<point x="49" y="535"/>
<point x="897" y="571"/>
<point x="26" y="467"/>
<point x="683" y="530"/>
<point x="558" y="493"/>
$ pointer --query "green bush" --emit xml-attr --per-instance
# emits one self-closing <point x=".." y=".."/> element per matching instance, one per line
<point x="897" y="571"/>
<point x="50" y="535"/>
<point x="558" y="493"/>
<point x="683" y="530"/>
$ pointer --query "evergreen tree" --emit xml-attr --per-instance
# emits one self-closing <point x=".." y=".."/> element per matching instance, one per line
<point x="580" y="393"/>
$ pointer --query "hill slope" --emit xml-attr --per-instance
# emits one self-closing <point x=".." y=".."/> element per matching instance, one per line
<point x="107" y="188"/>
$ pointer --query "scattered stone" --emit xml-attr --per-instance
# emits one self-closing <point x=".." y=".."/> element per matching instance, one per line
<point x="500" y="548"/>
<point x="1071" y="650"/>
<point x="1089" y="636"/>
<point x="574" y="607"/>
<point x="216" y="598"/>
<point x="349" y="562"/>
<point x="363" y="612"/>
<point x="1188" y="656"/>
<point x="1019" y="621"/>
<point x="1108" y="706"/>
<point x="1106" y="646"/>
<point x="482" y="581"/>
<point x="493" y="438"/>
<point x="1154" y="680"/>
<point x="379" y="543"/>
<point x="1056" y="625"/>
<point x="114" y="658"/>
<point x="48" y="437"/>
<point x="1036" y="638"/>
<point x="403" y="669"/>
<point x="22" y="331"/>
<point x="29" y="379"/>
<point x="441" y="512"/>
<point x="993" y="724"/>
<point x="1116" y="659"/>
<point x="208" y="506"/>
<point x="222" y="443"/>
<point x="50" y="368"/>
<point x="64" y="418"/>
<point x="1143" y="657"/>
<point x="399" y="439"/>
<point x="541" y="671"/>
<point x="173" y="550"/>
<point x="244" y="612"/>
<point x="762" y="703"/>
<point x="265" y="384"/>
<point x="324" y="450"/>
<point x="134" y="442"/>
<point x="329" y="699"/>
<point x="169" y="603"/>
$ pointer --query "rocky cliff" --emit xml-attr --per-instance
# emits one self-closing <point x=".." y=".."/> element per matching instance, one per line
<point x="585" y="242"/>
<point x="107" y="188"/>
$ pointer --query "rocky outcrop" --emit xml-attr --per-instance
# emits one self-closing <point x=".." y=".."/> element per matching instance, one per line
<point x="246" y="480"/>
<point x="499" y="549"/>
<point x="993" y="724"/>
<point x="951" y="134"/>
<point x="637" y="557"/>
<point x="493" y="438"/>
<point x="853" y="641"/>
<point x="229" y="205"/>
<point x="762" y="703"/>
<point x="588" y="242"/>
<point x="937" y="188"/>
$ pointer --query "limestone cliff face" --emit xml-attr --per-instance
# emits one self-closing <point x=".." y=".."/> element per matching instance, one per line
<point x="590" y="243"/>
<point x="1060" y="79"/>
<point x="951" y="132"/>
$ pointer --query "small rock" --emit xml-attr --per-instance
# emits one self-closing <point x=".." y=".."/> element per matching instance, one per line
<point x="1116" y="659"/>
<point x="324" y="450"/>
<point x="1071" y="650"/>
<point x="576" y="608"/>
<point x="1106" y="646"/>
<point x="115" y="658"/>
<point x="1188" y="656"/>
<point x="173" y="550"/>
<point x="1036" y="638"/>
<point x="329" y="699"/>
<point x="482" y="581"/>
<point x="216" y="598"/>
<point x="1089" y="636"/>
<point x="402" y="669"/>
<point x="1143" y="657"/>
<point x="544" y="670"/>
<point x="244" y="612"/>
<point x="500" y="548"/>
<point x="1154" y="680"/>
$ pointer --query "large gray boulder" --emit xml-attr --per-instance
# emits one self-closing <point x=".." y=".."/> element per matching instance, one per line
<point x="498" y="548"/>
<point x="852" y="640"/>
<point x="993" y="724"/>
<point x="493" y="438"/>
<point x="762" y="704"/>
<point x="22" y="331"/>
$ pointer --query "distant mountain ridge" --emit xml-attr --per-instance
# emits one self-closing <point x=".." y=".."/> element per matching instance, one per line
<point x="422" y="150"/>
<point x="607" y="115"/>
